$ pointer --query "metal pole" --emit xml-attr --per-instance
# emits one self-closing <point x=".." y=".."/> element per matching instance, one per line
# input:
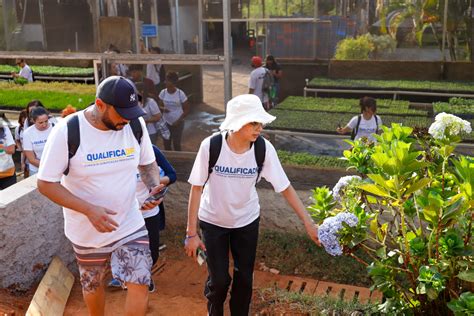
<point x="137" y="26"/>
<point x="43" y="27"/>
<point x="77" y="41"/>
<point x="227" y="56"/>
<point x="5" y="24"/>
<point x="445" y="24"/>
<point x="315" y="36"/>
<point x="154" y="19"/>
<point x="200" y="31"/>
<point x="178" y="39"/>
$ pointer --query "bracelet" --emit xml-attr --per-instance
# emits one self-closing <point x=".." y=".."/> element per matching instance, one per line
<point x="192" y="236"/>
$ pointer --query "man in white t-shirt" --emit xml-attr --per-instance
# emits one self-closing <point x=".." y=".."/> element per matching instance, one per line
<point x="101" y="212"/>
<point x="256" y="80"/>
<point x="25" y="71"/>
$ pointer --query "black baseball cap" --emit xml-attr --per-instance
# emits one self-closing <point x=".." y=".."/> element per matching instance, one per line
<point x="122" y="94"/>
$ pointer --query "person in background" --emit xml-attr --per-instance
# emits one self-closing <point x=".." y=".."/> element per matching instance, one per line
<point x="35" y="137"/>
<point x="365" y="124"/>
<point x="224" y="203"/>
<point x="136" y="75"/>
<point x="25" y="70"/>
<point x="275" y="69"/>
<point x="175" y="107"/>
<point x="256" y="81"/>
<point x="29" y="120"/>
<point x="156" y="72"/>
<point x="153" y="113"/>
<point x="19" y="130"/>
<point x="68" y="110"/>
<point x="116" y="69"/>
<point x="7" y="166"/>
<point x="154" y="218"/>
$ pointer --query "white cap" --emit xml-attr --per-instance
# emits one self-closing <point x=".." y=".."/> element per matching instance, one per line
<point x="244" y="109"/>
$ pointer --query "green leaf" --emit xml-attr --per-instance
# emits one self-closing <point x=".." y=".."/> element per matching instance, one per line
<point x="374" y="189"/>
<point x="467" y="275"/>
<point x="417" y="186"/>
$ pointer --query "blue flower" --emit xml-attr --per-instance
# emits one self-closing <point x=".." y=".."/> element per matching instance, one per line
<point x="328" y="231"/>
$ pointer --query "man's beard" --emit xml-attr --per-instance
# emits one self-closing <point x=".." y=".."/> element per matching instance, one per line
<point x="110" y="125"/>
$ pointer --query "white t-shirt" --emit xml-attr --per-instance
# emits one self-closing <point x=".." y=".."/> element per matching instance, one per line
<point x="366" y="127"/>
<point x="19" y="136"/>
<point x="153" y="73"/>
<point x="256" y="83"/>
<point x="174" y="103"/>
<point x="230" y="198"/>
<point x="151" y="108"/>
<point x="7" y="139"/>
<point x="26" y="73"/>
<point x="102" y="172"/>
<point x="35" y="140"/>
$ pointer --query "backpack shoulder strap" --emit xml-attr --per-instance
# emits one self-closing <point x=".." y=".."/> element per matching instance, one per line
<point x="73" y="138"/>
<point x="356" y="129"/>
<point x="214" y="152"/>
<point x="376" y="123"/>
<point x="137" y="130"/>
<point x="259" y="150"/>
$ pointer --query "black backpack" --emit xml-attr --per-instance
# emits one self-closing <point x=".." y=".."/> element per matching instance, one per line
<point x="74" y="136"/>
<point x="215" y="150"/>
<point x="356" y="129"/>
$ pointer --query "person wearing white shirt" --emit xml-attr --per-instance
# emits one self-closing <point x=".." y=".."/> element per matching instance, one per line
<point x="35" y="138"/>
<point x="175" y="107"/>
<point x="152" y="113"/>
<point x="7" y="149"/>
<point x="97" y="190"/>
<point x="256" y="81"/>
<point x="226" y="203"/>
<point x="365" y="124"/>
<point x="25" y="71"/>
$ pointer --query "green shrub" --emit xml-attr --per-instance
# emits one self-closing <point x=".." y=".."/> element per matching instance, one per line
<point x="411" y="213"/>
<point x="353" y="48"/>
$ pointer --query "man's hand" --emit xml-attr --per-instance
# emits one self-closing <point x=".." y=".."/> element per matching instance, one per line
<point x="192" y="244"/>
<point x="101" y="219"/>
<point x="154" y="203"/>
<point x="312" y="231"/>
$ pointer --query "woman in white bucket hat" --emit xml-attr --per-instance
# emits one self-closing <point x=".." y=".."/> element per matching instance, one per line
<point x="225" y="200"/>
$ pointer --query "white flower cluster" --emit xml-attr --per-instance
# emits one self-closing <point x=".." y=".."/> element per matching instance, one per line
<point x="328" y="230"/>
<point x="448" y="124"/>
<point x="342" y="183"/>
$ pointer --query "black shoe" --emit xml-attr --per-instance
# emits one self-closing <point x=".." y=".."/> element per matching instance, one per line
<point x="151" y="286"/>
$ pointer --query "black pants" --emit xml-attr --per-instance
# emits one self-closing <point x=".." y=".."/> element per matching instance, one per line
<point x="153" y="225"/>
<point x="243" y="246"/>
<point x="176" y="132"/>
<point x="8" y="181"/>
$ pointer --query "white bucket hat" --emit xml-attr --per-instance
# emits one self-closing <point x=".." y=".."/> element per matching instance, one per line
<point x="244" y="109"/>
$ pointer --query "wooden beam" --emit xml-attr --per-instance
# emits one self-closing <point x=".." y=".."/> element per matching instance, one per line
<point x="53" y="291"/>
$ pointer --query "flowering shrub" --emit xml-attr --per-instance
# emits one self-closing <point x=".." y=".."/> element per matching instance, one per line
<point x="411" y="212"/>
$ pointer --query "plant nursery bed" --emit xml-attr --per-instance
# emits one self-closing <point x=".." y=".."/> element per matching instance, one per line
<point x="338" y="105"/>
<point x="51" y="71"/>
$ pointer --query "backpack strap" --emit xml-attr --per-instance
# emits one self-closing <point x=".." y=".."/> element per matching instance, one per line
<point x="137" y="130"/>
<point x="73" y="139"/>
<point x="376" y="124"/>
<point x="259" y="150"/>
<point x="356" y="129"/>
<point x="214" y="152"/>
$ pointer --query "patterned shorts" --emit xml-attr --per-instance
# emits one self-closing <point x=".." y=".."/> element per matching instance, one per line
<point x="130" y="261"/>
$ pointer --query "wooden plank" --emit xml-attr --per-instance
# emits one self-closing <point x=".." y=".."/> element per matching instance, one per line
<point x="53" y="291"/>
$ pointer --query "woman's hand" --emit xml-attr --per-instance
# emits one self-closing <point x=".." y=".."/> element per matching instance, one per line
<point x="191" y="244"/>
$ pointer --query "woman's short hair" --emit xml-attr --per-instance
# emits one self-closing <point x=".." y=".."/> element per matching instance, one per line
<point x="367" y="103"/>
<point x="37" y="112"/>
